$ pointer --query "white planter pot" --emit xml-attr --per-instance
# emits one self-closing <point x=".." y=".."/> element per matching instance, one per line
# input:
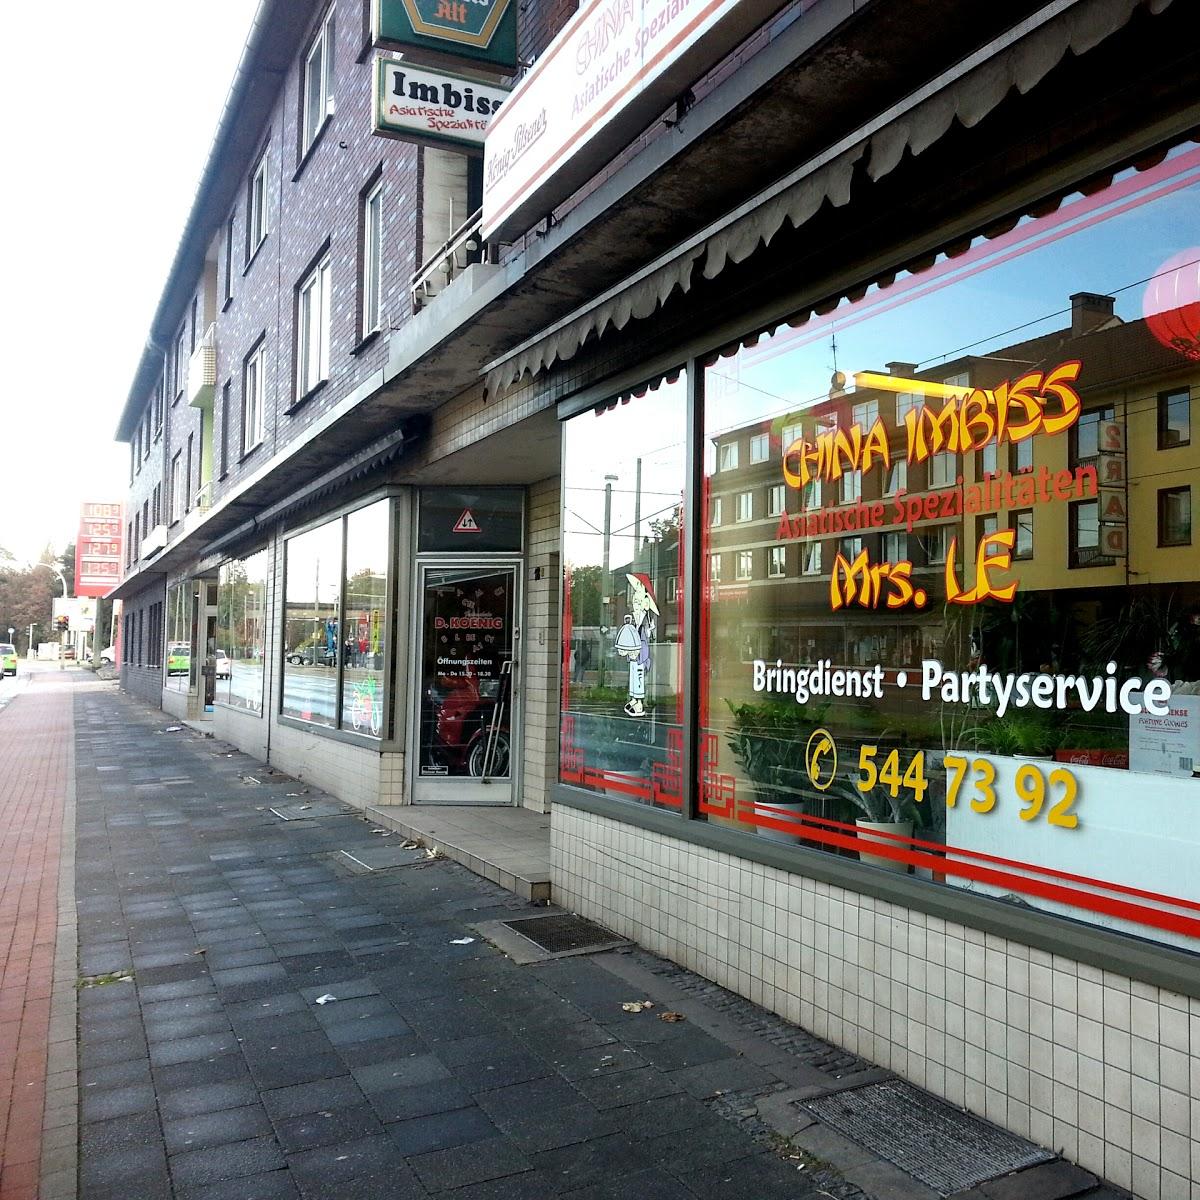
<point x="866" y="828"/>
<point x="778" y="810"/>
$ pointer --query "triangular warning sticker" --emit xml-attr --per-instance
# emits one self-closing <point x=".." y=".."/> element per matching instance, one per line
<point x="467" y="523"/>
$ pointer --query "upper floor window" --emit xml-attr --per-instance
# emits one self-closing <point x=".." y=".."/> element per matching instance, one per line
<point x="744" y="567"/>
<point x="228" y="260"/>
<point x="178" y="487"/>
<point x="372" y="275"/>
<point x="745" y="506"/>
<point x="942" y="470"/>
<point x="1084" y="437"/>
<point x="716" y="510"/>
<point x="318" y="84"/>
<point x="776" y="499"/>
<point x="180" y="359"/>
<point x="727" y="456"/>
<point x="791" y="433"/>
<point x="1175" y="516"/>
<point x="256" y="208"/>
<point x="254" y="400"/>
<point x="777" y="562"/>
<point x="1174" y="418"/>
<point x="312" y="329"/>
<point x="760" y="447"/>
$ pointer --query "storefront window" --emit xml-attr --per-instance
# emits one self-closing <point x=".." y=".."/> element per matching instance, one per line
<point x="241" y="631"/>
<point x="622" y="695"/>
<point x="313" y="575"/>
<point x="177" y="657"/>
<point x="367" y="556"/>
<point x="938" y="688"/>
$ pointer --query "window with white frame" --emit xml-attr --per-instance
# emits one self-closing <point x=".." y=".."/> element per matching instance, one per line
<point x="937" y="543"/>
<point x="317" y="84"/>
<point x="895" y="547"/>
<point x="180" y="361"/>
<point x="744" y="567"/>
<point x="760" y="447"/>
<point x="791" y="433"/>
<point x="372" y="278"/>
<point x="852" y="547"/>
<point x="714" y="568"/>
<point x="745" y="506"/>
<point x="727" y="456"/>
<point x="907" y="402"/>
<point x="312" y="329"/>
<point x="717" y="507"/>
<point x="777" y="562"/>
<point x="776" y="499"/>
<point x="256" y="208"/>
<point x="865" y="414"/>
<point x="672" y="589"/>
<point x="810" y="496"/>
<point x="851" y="487"/>
<point x="810" y="559"/>
<point x="897" y="480"/>
<point x="942" y="472"/>
<point x="253" y="400"/>
<point x="177" y="487"/>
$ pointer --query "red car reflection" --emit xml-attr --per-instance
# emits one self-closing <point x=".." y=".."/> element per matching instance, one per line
<point x="461" y="708"/>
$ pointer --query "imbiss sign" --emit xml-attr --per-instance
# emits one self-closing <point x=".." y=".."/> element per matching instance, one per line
<point x="616" y="65"/>
<point x="417" y="104"/>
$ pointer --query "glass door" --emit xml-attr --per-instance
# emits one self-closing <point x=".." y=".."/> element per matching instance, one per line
<point x="465" y="718"/>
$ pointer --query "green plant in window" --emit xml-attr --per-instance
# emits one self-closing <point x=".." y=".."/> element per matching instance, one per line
<point x="768" y="741"/>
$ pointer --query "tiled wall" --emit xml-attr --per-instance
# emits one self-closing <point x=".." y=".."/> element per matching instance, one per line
<point x="1103" y="1069"/>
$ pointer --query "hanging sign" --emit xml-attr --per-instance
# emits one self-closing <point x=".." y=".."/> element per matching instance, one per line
<point x="417" y="104"/>
<point x="481" y="32"/>
<point x="614" y="68"/>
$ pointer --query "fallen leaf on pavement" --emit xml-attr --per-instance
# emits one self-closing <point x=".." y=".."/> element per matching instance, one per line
<point x="671" y="1016"/>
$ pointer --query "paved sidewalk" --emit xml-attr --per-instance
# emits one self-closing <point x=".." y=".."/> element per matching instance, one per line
<point x="294" y="1029"/>
<point x="37" y="1032"/>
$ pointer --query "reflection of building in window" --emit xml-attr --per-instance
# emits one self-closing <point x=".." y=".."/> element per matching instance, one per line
<point x="1022" y="522"/>
<point x="851" y="487"/>
<point x="897" y="477"/>
<point x="812" y="559"/>
<point x="865" y="414"/>
<point x="1020" y="456"/>
<point x="727" y="456"/>
<point x="791" y="433"/>
<point x="1174" y="418"/>
<point x="745" y="564"/>
<point x="810" y="496"/>
<point x="714" y="568"/>
<point x="716" y="511"/>
<point x="937" y="543"/>
<point x="906" y="402"/>
<point x="1085" y="535"/>
<point x="777" y="562"/>
<point x="776" y="499"/>
<point x="895" y="547"/>
<point x="986" y="526"/>
<point x="851" y="548"/>
<point x="1175" y="516"/>
<point x="744" y="510"/>
<point x="672" y="589"/>
<point x="986" y="461"/>
<point x="1085" y="436"/>
<point x="760" y="447"/>
<point x="942" y="470"/>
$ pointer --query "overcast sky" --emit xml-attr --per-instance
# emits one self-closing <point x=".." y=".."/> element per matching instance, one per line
<point x="109" y="115"/>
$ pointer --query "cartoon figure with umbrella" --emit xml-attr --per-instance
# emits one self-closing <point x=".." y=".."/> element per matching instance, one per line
<point x="634" y="638"/>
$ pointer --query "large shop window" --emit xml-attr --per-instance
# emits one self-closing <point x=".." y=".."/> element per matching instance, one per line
<point x="335" y="621"/>
<point x="241" y="631"/>
<point x="622" y="693"/>
<point x="178" y="660"/>
<point x="987" y="674"/>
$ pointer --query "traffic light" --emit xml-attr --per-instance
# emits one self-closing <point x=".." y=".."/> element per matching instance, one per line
<point x="63" y="624"/>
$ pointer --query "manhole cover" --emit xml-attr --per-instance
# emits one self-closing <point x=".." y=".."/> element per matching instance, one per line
<point x="563" y="933"/>
<point x="945" y="1148"/>
<point x="382" y="858"/>
<point x="315" y="808"/>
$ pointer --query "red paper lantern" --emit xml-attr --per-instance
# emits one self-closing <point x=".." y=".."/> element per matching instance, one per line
<point x="1171" y="304"/>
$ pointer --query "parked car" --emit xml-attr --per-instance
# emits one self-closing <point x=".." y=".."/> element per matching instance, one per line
<point x="224" y="665"/>
<point x="310" y="656"/>
<point x="8" y="658"/>
<point x="179" y="658"/>
<point x="108" y="654"/>
<point x="68" y="652"/>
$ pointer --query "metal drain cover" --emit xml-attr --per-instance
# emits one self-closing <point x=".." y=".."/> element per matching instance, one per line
<point x="316" y="808"/>
<point x="382" y="858"/>
<point x="564" y="933"/>
<point x="945" y="1148"/>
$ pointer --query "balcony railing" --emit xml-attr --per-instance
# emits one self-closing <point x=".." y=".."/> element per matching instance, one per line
<point x="202" y="370"/>
<point x="464" y="247"/>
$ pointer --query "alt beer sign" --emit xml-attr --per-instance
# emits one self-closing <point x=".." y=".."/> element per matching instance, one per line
<point x="440" y="31"/>
<point x="417" y="104"/>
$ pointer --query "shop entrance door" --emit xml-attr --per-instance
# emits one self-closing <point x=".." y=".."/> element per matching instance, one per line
<point x="464" y="712"/>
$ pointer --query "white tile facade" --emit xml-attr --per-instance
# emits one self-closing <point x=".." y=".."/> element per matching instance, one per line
<point x="1101" y="1068"/>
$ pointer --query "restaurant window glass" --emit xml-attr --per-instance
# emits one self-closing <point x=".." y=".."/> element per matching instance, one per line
<point x="745" y="506"/>
<point x="760" y="447"/>
<point x="948" y="697"/>
<point x="776" y="500"/>
<point x="777" y="562"/>
<point x="241" y="631"/>
<point x="622" y="520"/>
<point x="311" y="636"/>
<point x="365" y="641"/>
<point x="745" y="565"/>
<point x="716" y="510"/>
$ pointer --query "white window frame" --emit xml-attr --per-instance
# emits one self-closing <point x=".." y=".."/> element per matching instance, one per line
<point x="851" y="547"/>
<point x="253" y="400"/>
<point x="177" y="488"/>
<point x="907" y="402"/>
<point x="810" y="559"/>
<point x="865" y="414"/>
<point x="895" y="547"/>
<point x="744" y="507"/>
<point x="256" y="209"/>
<point x="714" y="568"/>
<point x="943" y="470"/>
<point x="717" y="506"/>
<point x="372" y="273"/>
<point x="937" y="544"/>
<point x="743" y="567"/>
<point x="776" y="499"/>
<point x="760" y="447"/>
<point x="792" y="433"/>
<point x="897" y="480"/>
<point x="312" y="327"/>
<point x="316" y="85"/>
<point x="672" y="589"/>
<point x="810" y="497"/>
<point x="777" y="562"/>
<point x="851" y="487"/>
<point x="727" y="456"/>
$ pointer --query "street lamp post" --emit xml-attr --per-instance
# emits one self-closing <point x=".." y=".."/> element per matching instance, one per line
<point x="609" y="480"/>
